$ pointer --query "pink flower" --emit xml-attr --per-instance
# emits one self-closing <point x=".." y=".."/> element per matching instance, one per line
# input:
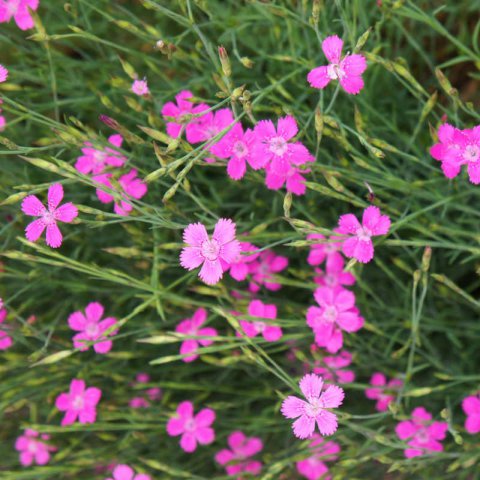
<point x="192" y="428"/>
<point x="32" y="448"/>
<point x="140" y="87"/>
<point x="181" y="112"/>
<point x="6" y="340"/>
<point x="328" y="250"/>
<point x="471" y="407"/>
<point x="263" y="268"/>
<point x="210" y="253"/>
<point x="92" y="328"/>
<point x="449" y="149"/>
<point x="274" y="149"/>
<point x="347" y="70"/>
<point x="336" y="313"/>
<point x="132" y="187"/>
<point x="124" y="472"/>
<point x="239" y="267"/>
<point x="333" y="370"/>
<point x="79" y="403"/>
<point x="138" y="402"/>
<point x="314" y="410"/>
<point x="422" y="434"/>
<point x="334" y="276"/>
<point x="18" y="10"/>
<point x="236" y="460"/>
<point x="95" y="161"/>
<point x="142" y="377"/>
<point x="154" y="393"/>
<point x="209" y="125"/>
<point x="314" y="467"/>
<point x="3" y="73"/>
<point x="383" y="392"/>
<point x="471" y="153"/>
<point x="271" y="333"/>
<point x="191" y="326"/>
<point x="359" y="244"/>
<point x="32" y="206"/>
<point x="293" y="178"/>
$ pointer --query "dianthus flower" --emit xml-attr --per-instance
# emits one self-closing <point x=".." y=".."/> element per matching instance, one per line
<point x="140" y="87"/>
<point x="263" y="268"/>
<point x="33" y="448"/>
<point x="314" y="467"/>
<point x="334" y="276"/>
<point x="210" y="252"/>
<point x="316" y="408"/>
<point x="124" y="472"/>
<point x="332" y="368"/>
<point x="48" y="217"/>
<point x="347" y="70"/>
<point x="471" y="407"/>
<point x="238" y="269"/>
<point x="18" y="10"/>
<point x="382" y="391"/>
<point x="3" y="73"/>
<point x="94" y="161"/>
<point x="5" y="339"/>
<point x="328" y="250"/>
<point x="293" y="179"/>
<point x="270" y="333"/>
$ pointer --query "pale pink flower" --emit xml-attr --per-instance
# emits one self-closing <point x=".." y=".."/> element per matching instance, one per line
<point x="263" y="268"/>
<point x="237" y="459"/>
<point x="79" y="403"/>
<point x="3" y="73"/>
<point x="48" y="217"/>
<point x="421" y="433"/>
<point x="140" y="87"/>
<point x="191" y="326"/>
<point x="293" y="178"/>
<point x="347" y="70"/>
<point x="210" y="252"/>
<point x="238" y="269"/>
<point x="131" y="185"/>
<point x="385" y="393"/>
<point x="18" y="10"/>
<point x="328" y="250"/>
<point x="334" y="276"/>
<point x="256" y="308"/>
<point x="332" y="368"/>
<point x="124" y="472"/>
<point x="94" y="161"/>
<point x="449" y="149"/>
<point x="6" y="340"/>
<point x="359" y="243"/>
<point x="314" y="467"/>
<point x="33" y="448"/>
<point x="92" y="328"/>
<point x="316" y="410"/>
<point x="471" y="407"/>
<point x="193" y="428"/>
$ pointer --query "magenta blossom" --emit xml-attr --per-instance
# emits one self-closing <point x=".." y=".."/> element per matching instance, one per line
<point x="336" y="313"/>
<point x="270" y="333"/>
<point x="314" y="467"/>
<point x="79" y="402"/>
<point x="152" y="394"/>
<point x="449" y="149"/>
<point x="193" y="428"/>
<point x="332" y="368"/>
<point x="48" y="218"/>
<point x="347" y="70"/>
<point x="140" y="87"/>
<point x="471" y="407"/>
<point x="359" y="244"/>
<point x="238" y="269"/>
<point x="94" y="161"/>
<point x="124" y="472"/>
<point x="191" y="326"/>
<point x="210" y="253"/>
<point x="92" y="328"/>
<point x="334" y="276"/>
<point x="237" y="459"/>
<point x="328" y="250"/>
<point x="383" y="392"/>
<point x="263" y="268"/>
<point x="6" y="340"/>
<point x="293" y="178"/>
<point x="3" y="73"/>
<point x="316" y="410"/>
<point x="33" y="448"/>
<point x="471" y="153"/>
<point x="18" y="10"/>
<point x="423" y="436"/>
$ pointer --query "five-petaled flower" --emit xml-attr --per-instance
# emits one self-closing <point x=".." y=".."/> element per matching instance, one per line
<point x="18" y="10"/>
<point x="256" y="308"/>
<point x="384" y="393"/>
<point x="321" y="451"/>
<point x="471" y="407"/>
<point x="140" y="87"/>
<point x="94" y="160"/>
<point x="33" y="448"/>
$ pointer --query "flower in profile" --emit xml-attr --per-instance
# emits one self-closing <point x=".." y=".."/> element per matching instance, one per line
<point x="316" y="408"/>
<point x="237" y="460"/>
<point x="332" y="368"/>
<point x="48" y="217"/>
<point x="33" y="448"/>
<point x="263" y="268"/>
<point x="334" y="276"/>
<point x="6" y="340"/>
<point x="270" y="333"/>
<point x="92" y="328"/>
<point x="238" y="269"/>
<point x="193" y="428"/>
<point x="471" y="407"/>
<point x="423" y="436"/>
<point x="327" y="250"/>
<point x="347" y="70"/>
<point x="212" y="253"/>
<point x="3" y="73"/>
<point x="125" y="472"/>
<point x="191" y="326"/>
<point x="18" y="10"/>
<point x="321" y="451"/>
<point x="140" y="87"/>
<point x="359" y="244"/>
<point x="79" y="403"/>
<point x="383" y="392"/>
<point x="94" y="161"/>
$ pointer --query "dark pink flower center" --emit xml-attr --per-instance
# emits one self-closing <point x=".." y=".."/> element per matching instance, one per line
<point x="330" y="280"/>
<point x="210" y="250"/>
<point x="189" y="425"/>
<point x="422" y="435"/>
<point x="48" y="217"/>
<point x="278" y="146"/>
<point x="32" y="446"/>
<point x="240" y="149"/>
<point x="335" y="71"/>
<point x="472" y="153"/>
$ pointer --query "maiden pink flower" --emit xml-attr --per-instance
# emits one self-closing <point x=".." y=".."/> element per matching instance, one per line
<point x="263" y="268"/>
<point x="79" y="403"/>
<point x="316" y="410"/>
<point x="191" y="326"/>
<point x="237" y="459"/>
<point x="92" y="328"/>
<point x="471" y="407"/>
<point x="238" y="269"/>
<point x="124" y="472"/>
<point x="293" y="179"/>
<point x="319" y="252"/>
<point x="471" y="153"/>
<point x="359" y="244"/>
<point x="383" y="392"/>
<point x="193" y="428"/>
<point x="314" y="467"/>
<point x="18" y="10"/>
<point x="140" y="87"/>
<point x="332" y="369"/>
<point x="421" y="433"/>
<point x="210" y="253"/>
<point x="347" y="70"/>
<point x="5" y="339"/>
<point x="256" y="308"/>
<point x="3" y="73"/>
<point x="334" y="276"/>
<point x="94" y="161"/>
<point x="48" y="217"/>
<point x="138" y="402"/>
<point x="448" y="150"/>
<point x="33" y="448"/>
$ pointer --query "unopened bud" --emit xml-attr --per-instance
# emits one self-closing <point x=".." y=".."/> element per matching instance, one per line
<point x="225" y="61"/>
